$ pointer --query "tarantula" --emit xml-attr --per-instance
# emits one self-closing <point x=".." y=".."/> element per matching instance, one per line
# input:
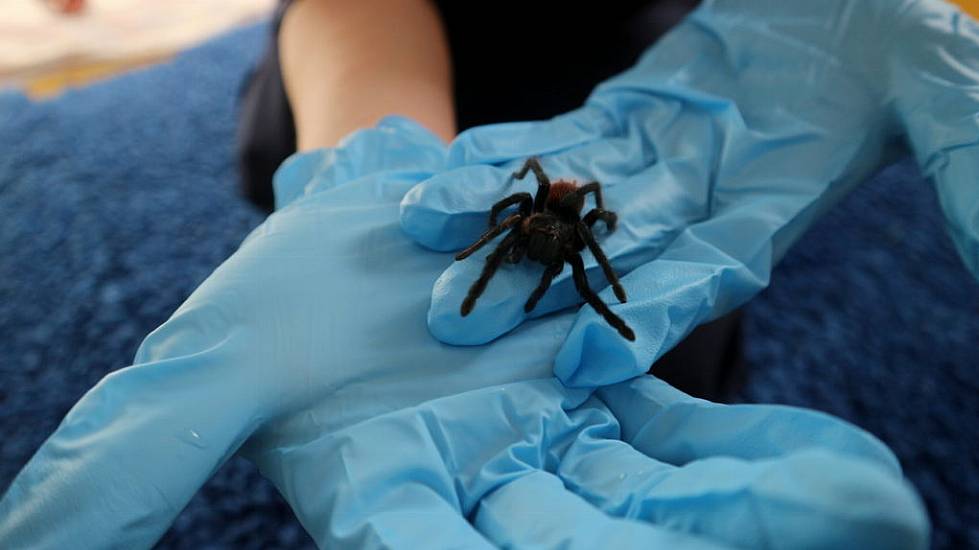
<point x="548" y="228"/>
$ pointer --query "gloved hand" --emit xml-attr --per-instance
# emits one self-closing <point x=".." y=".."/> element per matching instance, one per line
<point x="307" y="352"/>
<point x="717" y="150"/>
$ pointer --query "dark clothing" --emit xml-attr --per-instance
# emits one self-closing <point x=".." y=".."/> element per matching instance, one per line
<point x="511" y="61"/>
<point x="266" y="129"/>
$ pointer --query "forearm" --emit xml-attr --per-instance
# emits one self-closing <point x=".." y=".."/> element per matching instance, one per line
<point x="348" y="63"/>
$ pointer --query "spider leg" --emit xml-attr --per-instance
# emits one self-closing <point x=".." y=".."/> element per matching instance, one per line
<point x="581" y="283"/>
<point x="602" y="260"/>
<point x="543" y="182"/>
<point x="517" y="252"/>
<point x="545" y="283"/>
<point x="576" y="200"/>
<point x="592" y="187"/>
<point x="524" y="199"/>
<point x="607" y="216"/>
<point x="493" y="262"/>
<point x="489" y="236"/>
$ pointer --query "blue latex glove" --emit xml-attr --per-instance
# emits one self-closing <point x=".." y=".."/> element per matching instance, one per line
<point x="307" y="353"/>
<point x="717" y="150"/>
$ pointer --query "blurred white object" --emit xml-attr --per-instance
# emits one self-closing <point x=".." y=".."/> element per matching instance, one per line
<point x="36" y="40"/>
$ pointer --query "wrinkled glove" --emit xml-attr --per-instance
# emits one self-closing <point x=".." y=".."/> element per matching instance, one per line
<point x="717" y="150"/>
<point x="307" y="352"/>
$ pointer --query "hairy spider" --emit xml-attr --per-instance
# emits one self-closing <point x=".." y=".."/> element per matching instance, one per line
<point x="548" y="228"/>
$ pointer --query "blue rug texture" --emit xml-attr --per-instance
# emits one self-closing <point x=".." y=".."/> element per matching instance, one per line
<point x="118" y="199"/>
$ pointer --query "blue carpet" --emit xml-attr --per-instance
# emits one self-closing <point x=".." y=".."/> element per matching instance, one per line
<point x="118" y="199"/>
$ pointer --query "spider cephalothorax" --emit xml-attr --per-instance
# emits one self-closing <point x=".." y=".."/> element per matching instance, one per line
<point x="549" y="229"/>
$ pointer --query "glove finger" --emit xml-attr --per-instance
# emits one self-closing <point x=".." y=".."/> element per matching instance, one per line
<point x="450" y="211"/>
<point x="501" y="143"/>
<point x="657" y="170"/>
<point x="669" y="425"/>
<point x="710" y="268"/>
<point x="352" y="491"/>
<point x="808" y="499"/>
<point x="361" y="483"/>
<point x="536" y="511"/>
<point x="126" y="447"/>
<point x="395" y="144"/>
<point x="408" y="523"/>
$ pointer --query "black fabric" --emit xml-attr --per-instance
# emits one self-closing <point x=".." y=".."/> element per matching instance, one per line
<point x="513" y="61"/>
<point x="534" y="60"/>
<point x="709" y="362"/>
<point x="266" y="130"/>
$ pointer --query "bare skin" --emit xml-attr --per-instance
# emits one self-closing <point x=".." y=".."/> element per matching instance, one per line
<point x="348" y="63"/>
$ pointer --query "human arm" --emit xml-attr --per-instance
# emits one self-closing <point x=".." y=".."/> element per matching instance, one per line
<point x="348" y="63"/>
<point x="125" y="457"/>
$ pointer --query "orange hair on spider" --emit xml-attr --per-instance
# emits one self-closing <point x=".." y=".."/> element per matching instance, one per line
<point x="558" y="191"/>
